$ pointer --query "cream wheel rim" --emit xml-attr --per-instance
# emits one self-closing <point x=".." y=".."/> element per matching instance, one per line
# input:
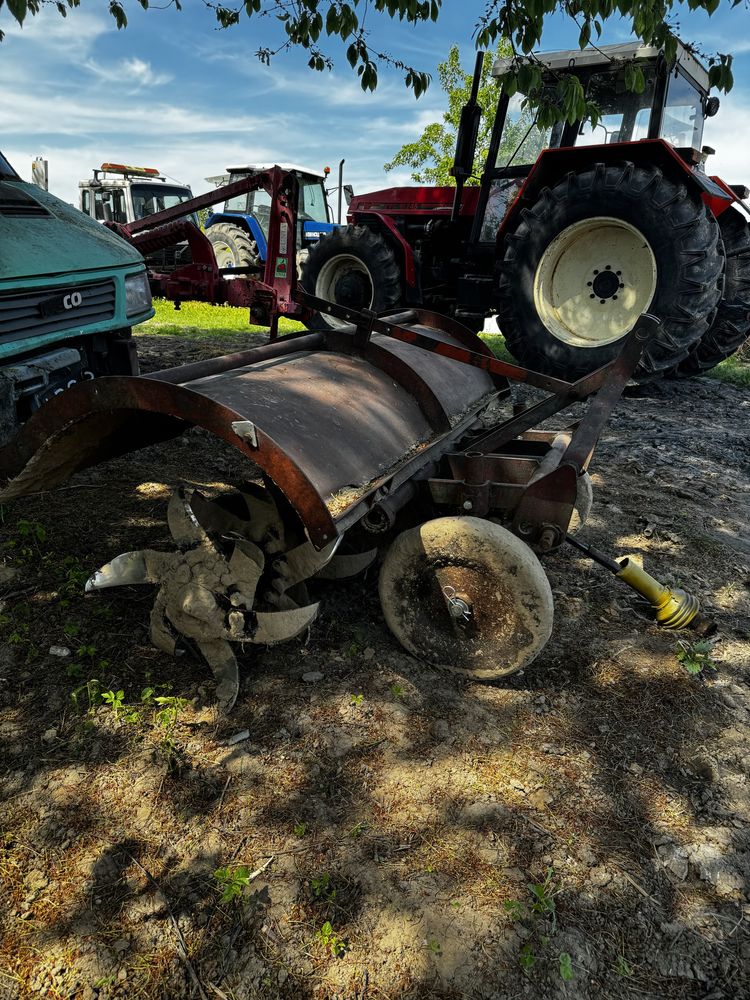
<point x="340" y="280"/>
<point x="593" y="282"/>
<point x="223" y="254"/>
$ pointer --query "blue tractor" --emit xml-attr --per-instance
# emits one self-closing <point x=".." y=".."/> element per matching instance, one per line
<point x="239" y="232"/>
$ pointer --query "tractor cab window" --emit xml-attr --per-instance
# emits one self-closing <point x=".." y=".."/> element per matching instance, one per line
<point x="259" y="205"/>
<point x="623" y="114"/>
<point x="109" y="205"/>
<point x="256" y="203"/>
<point x="522" y="140"/>
<point x="86" y="201"/>
<point x="312" y="202"/>
<point x="682" y="123"/>
<point x="239" y="202"/>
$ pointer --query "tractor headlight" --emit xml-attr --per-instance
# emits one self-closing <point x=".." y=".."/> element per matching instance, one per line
<point x="137" y="294"/>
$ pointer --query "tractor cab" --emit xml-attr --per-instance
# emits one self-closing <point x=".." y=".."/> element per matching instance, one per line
<point x="239" y="232"/>
<point x="672" y="105"/>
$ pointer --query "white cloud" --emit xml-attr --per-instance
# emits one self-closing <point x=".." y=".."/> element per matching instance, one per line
<point x="133" y="72"/>
<point x="72" y="36"/>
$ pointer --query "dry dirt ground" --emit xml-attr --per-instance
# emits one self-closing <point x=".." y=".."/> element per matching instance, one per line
<point x="578" y="831"/>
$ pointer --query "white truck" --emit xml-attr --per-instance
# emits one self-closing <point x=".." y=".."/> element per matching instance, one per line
<point x="121" y="193"/>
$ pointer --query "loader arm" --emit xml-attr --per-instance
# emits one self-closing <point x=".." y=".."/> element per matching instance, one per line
<point x="269" y="294"/>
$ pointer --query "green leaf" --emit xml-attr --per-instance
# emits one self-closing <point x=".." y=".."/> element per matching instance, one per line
<point x="18" y="9"/>
<point x="527" y="958"/>
<point x="117" y="12"/>
<point x="566" y="967"/>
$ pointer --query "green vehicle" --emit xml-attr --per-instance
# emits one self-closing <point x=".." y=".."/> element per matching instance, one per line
<point x="70" y="291"/>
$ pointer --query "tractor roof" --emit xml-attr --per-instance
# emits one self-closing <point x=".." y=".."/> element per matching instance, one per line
<point x="604" y="55"/>
<point x="293" y="167"/>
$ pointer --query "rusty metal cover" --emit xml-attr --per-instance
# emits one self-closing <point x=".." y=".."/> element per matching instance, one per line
<point x="327" y="426"/>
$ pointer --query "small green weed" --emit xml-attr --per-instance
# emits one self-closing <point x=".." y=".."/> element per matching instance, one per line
<point x="540" y="908"/>
<point x="322" y="889"/>
<point x="623" y="967"/>
<point x="87" y="696"/>
<point x="32" y="530"/>
<point x="232" y="881"/>
<point x="543" y="897"/>
<point x="433" y="947"/>
<point x="356" y="700"/>
<point x="333" y="944"/>
<point x="527" y="958"/>
<point x="397" y="691"/>
<point x="566" y="967"/>
<point x="695" y="657"/>
<point x="75" y="579"/>
<point x="166" y="718"/>
<point x="116" y="701"/>
<point x="300" y="829"/>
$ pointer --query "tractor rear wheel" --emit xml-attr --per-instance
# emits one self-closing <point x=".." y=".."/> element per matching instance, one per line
<point x="731" y="327"/>
<point x="466" y="594"/>
<point x="353" y="267"/>
<point x="233" y="247"/>
<point x="592" y="254"/>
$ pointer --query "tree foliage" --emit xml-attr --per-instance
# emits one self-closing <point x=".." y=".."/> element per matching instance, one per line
<point x="430" y="157"/>
<point x="313" y="24"/>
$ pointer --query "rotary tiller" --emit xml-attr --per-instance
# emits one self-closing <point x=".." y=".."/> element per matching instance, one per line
<point x="346" y="427"/>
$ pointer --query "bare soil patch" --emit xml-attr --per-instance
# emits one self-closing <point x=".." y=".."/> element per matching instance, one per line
<point x="388" y="817"/>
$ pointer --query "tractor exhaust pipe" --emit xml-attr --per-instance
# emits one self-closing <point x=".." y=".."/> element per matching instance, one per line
<point x="674" y="608"/>
<point x="341" y="186"/>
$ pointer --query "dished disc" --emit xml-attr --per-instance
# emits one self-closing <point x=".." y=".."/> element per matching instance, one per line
<point x="466" y="594"/>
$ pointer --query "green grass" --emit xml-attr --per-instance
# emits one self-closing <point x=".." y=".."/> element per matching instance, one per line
<point x="496" y="343"/>
<point x="735" y="370"/>
<point x="202" y="320"/>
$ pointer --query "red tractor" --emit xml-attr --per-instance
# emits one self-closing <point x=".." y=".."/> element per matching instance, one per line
<point x="573" y="232"/>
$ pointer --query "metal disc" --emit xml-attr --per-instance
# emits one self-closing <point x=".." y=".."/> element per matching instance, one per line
<point x="466" y="594"/>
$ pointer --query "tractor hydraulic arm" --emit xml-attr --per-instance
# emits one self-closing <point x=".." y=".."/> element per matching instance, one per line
<point x="267" y="294"/>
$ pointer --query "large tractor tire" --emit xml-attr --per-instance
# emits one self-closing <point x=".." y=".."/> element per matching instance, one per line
<point x="731" y="327"/>
<point x="233" y="247"/>
<point x="592" y="254"/>
<point x="354" y="267"/>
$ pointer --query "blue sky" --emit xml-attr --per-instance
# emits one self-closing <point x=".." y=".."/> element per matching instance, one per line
<point x="174" y="92"/>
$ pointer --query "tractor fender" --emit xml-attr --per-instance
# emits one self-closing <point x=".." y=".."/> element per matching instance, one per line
<point x="553" y="164"/>
<point x="247" y="222"/>
<point x="388" y="228"/>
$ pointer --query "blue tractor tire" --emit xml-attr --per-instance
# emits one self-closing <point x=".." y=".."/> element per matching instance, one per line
<point x="233" y="246"/>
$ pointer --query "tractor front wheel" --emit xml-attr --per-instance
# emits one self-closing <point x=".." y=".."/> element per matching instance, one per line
<point x="353" y="267"/>
<point x="232" y="246"/>
<point x="593" y="253"/>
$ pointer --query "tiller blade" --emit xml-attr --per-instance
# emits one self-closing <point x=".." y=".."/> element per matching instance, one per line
<point x="209" y="586"/>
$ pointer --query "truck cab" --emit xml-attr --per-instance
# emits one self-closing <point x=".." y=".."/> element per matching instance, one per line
<point x="70" y="291"/>
<point x="239" y="232"/>
<point x="121" y="193"/>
